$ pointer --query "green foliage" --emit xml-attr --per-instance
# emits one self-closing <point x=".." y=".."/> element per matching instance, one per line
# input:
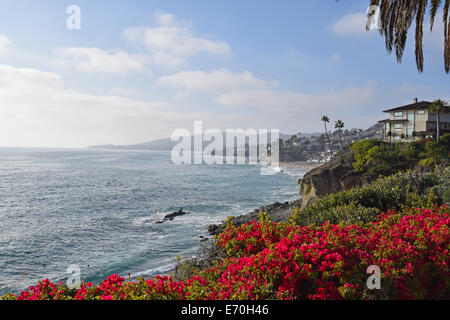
<point x="431" y="198"/>
<point x="445" y="140"/>
<point x="436" y="151"/>
<point x="427" y="162"/>
<point x="361" y="148"/>
<point x="373" y="157"/>
<point x="362" y="204"/>
<point x="442" y="186"/>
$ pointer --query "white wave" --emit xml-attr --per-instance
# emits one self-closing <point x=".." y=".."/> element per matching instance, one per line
<point x="154" y="271"/>
<point x="139" y="221"/>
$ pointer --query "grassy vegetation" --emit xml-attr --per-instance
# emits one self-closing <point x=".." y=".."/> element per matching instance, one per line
<point x="374" y="157"/>
<point x="363" y="204"/>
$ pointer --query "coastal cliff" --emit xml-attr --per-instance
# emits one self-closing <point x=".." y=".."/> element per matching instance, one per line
<point x="336" y="175"/>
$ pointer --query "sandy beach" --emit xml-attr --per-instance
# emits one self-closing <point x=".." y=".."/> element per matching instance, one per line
<point x="300" y="165"/>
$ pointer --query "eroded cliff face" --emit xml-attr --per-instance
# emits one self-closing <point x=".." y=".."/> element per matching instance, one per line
<point x="334" y="176"/>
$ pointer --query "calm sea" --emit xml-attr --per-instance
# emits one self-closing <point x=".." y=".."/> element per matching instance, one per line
<point x="97" y="210"/>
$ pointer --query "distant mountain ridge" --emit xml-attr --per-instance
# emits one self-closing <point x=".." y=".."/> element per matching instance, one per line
<point x="167" y="144"/>
<point x="156" y="145"/>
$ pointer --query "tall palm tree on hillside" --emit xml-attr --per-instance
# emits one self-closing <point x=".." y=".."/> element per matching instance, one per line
<point x="339" y="125"/>
<point x="438" y="106"/>
<point x="397" y="16"/>
<point x="326" y="120"/>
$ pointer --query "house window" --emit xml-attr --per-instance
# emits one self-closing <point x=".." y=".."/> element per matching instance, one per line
<point x="432" y="125"/>
<point x="398" y="127"/>
<point x="421" y="112"/>
<point x="397" y="138"/>
<point x="409" y="132"/>
<point x="387" y="127"/>
<point x="398" y="115"/>
<point x="410" y="116"/>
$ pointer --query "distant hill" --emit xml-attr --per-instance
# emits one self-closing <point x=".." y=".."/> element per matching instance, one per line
<point x="156" y="145"/>
<point x="160" y="145"/>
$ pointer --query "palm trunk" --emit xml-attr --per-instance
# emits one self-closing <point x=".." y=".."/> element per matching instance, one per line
<point x="328" y="138"/>
<point x="438" y="131"/>
<point x="340" y="138"/>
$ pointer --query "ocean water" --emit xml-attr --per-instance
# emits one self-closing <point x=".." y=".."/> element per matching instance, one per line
<point x="97" y="209"/>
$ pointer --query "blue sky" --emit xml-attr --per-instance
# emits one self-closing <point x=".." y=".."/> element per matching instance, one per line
<point x="138" y="70"/>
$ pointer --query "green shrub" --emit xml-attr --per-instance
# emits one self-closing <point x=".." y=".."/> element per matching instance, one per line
<point x="374" y="157"/>
<point x="435" y="151"/>
<point x="445" y="140"/>
<point x="362" y="204"/>
<point x="427" y="162"/>
<point x="442" y="187"/>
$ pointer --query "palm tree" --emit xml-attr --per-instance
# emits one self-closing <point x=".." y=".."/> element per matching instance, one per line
<point x="326" y="120"/>
<point x="397" y="17"/>
<point x="339" y="125"/>
<point x="438" y="106"/>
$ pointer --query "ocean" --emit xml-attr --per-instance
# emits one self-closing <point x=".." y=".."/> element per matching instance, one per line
<point x="98" y="210"/>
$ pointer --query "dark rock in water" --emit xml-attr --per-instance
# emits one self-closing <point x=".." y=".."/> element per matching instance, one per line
<point x="173" y="215"/>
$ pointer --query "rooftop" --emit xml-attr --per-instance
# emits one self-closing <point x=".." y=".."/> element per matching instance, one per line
<point x="393" y="120"/>
<point x="413" y="106"/>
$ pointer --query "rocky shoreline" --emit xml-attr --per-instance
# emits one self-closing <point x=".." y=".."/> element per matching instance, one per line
<point x="278" y="212"/>
<point x="333" y="176"/>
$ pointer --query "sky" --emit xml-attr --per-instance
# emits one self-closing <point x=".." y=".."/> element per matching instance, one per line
<point x="137" y="70"/>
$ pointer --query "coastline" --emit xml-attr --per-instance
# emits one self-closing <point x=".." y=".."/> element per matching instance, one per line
<point x="301" y="165"/>
<point x="278" y="212"/>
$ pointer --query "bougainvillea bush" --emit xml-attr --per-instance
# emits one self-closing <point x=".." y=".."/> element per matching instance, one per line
<point x="282" y="261"/>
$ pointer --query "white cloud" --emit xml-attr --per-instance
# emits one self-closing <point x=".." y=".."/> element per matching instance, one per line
<point x="37" y="110"/>
<point x="4" y="45"/>
<point x="172" y="42"/>
<point x="97" y="60"/>
<point x="352" y="24"/>
<point x="123" y="91"/>
<point x="214" y="81"/>
<point x="291" y="101"/>
<point x="165" y="19"/>
<point x="168" y="44"/>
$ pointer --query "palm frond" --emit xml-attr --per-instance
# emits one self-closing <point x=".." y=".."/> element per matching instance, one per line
<point x="446" y="36"/>
<point x="433" y="11"/>
<point x="419" y="34"/>
<point x="396" y="18"/>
